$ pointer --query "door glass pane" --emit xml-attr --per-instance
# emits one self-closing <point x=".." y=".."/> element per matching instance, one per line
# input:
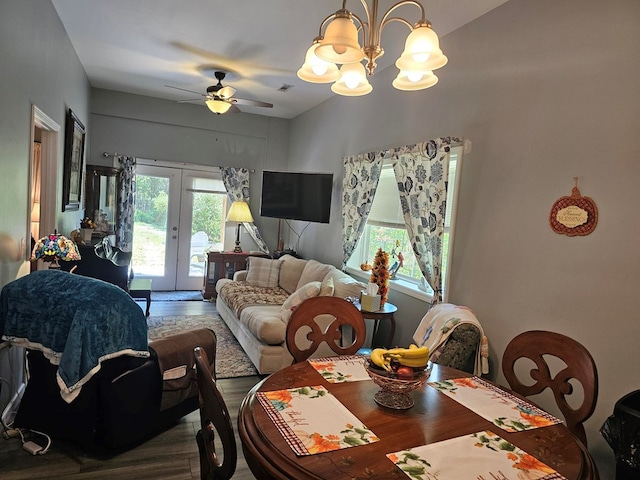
<point x="207" y="228"/>
<point x="150" y="225"/>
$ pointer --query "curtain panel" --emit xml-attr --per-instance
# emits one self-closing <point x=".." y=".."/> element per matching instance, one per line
<point x="359" y="183"/>
<point x="236" y="181"/>
<point x="126" y="202"/>
<point x="422" y="174"/>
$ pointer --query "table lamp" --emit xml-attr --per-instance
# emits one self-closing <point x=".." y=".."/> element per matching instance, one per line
<point x="239" y="212"/>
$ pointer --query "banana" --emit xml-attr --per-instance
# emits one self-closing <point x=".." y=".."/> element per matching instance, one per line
<point x="378" y="357"/>
<point x="414" y="362"/>
<point x="415" y="352"/>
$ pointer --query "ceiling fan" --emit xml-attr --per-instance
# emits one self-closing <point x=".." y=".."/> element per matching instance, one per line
<point x="220" y="98"/>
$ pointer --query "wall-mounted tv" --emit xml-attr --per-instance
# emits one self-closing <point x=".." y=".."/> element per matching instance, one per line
<point x="297" y="196"/>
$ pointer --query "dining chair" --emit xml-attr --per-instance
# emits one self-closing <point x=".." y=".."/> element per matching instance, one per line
<point x="540" y="346"/>
<point x="306" y="317"/>
<point x="214" y="419"/>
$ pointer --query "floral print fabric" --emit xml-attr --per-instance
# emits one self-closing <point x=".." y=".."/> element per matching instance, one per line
<point x="481" y="455"/>
<point x="126" y="202"/>
<point x="236" y="181"/>
<point x="422" y="172"/>
<point x="313" y="421"/>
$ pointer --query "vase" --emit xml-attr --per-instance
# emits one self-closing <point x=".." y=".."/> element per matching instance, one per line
<point x="86" y="234"/>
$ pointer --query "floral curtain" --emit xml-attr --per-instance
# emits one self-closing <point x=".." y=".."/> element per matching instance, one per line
<point x="361" y="176"/>
<point x="126" y="202"/>
<point x="236" y="181"/>
<point x="421" y="171"/>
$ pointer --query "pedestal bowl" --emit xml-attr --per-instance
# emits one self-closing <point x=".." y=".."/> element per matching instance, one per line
<point x="395" y="391"/>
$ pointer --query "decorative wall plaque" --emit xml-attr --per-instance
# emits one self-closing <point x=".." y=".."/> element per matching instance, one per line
<point x="574" y="215"/>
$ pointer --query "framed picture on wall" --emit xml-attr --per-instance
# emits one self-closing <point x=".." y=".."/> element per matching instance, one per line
<point x="73" y="160"/>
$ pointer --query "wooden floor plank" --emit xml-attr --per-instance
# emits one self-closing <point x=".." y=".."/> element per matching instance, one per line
<point x="171" y="455"/>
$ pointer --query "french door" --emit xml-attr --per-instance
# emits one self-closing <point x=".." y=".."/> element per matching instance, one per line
<point x="179" y="216"/>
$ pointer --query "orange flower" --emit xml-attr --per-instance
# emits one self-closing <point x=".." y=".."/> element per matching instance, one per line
<point x="393" y="457"/>
<point x="529" y="463"/>
<point x="283" y="396"/>
<point x="467" y="382"/>
<point x="321" y="444"/>
<point x="329" y="366"/>
<point x="536" y="420"/>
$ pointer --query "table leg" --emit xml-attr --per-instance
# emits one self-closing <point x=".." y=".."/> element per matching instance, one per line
<point x="392" y="332"/>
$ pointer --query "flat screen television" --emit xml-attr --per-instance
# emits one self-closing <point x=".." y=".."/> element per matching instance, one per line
<point x="297" y="196"/>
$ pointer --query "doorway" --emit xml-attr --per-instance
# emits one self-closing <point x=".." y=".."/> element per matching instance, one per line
<point x="179" y="216"/>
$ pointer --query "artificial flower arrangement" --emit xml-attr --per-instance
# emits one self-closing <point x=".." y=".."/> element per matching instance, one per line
<point x="52" y="248"/>
<point x="380" y="274"/>
<point x="86" y="222"/>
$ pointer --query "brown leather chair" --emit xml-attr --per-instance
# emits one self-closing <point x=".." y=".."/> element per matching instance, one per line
<point x="214" y="419"/>
<point x="304" y="317"/>
<point x="580" y="366"/>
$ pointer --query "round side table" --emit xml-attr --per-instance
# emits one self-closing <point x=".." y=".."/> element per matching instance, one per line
<point x="385" y="313"/>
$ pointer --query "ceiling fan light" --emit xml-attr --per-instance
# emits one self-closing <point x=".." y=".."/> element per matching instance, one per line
<point x="340" y="43"/>
<point x="316" y="70"/>
<point x="218" y="106"/>
<point x="421" y="51"/>
<point x="353" y="81"/>
<point x="414" y="80"/>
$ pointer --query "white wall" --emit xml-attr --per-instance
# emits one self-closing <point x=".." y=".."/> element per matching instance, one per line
<point x="39" y="66"/>
<point x="546" y="91"/>
<point x="164" y="130"/>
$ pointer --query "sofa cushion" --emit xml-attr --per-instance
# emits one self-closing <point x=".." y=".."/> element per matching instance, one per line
<point x="314" y="271"/>
<point x="344" y="285"/>
<point x="327" y="287"/>
<point x="239" y="295"/>
<point x="263" y="272"/>
<point x="309" y="290"/>
<point x="265" y="323"/>
<point x="290" y="270"/>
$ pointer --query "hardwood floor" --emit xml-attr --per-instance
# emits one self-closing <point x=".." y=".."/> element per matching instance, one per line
<point x="173" y="454"/>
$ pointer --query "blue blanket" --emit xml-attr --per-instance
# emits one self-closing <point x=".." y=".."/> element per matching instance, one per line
<point x="76" y="321"/>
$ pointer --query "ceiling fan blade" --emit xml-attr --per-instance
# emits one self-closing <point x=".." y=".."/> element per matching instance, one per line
<point x="185" y="90"/>
<point x="253" y="103"/>
<point x="226" y="92"/>
<point x="233" y="109"/>
<point x="189" y="101"/>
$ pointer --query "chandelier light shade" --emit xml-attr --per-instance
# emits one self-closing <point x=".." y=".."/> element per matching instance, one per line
<point x="421" y="51"/>
<point x="353" y="81"/>
<point x="409" y="81"/>
<point x="316" y="70"/>
<point x="239" y="212"/>
<point x="349" y="39"/>
<point x="218" y="106"/>
<point x="340" y="43"/>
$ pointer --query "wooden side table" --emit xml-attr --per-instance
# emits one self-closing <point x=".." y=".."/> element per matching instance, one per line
<point x="223" y="265"/>
<point x="385" y="313"/>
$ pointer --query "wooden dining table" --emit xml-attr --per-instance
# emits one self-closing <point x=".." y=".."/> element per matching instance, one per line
<point x="434" y="417"/>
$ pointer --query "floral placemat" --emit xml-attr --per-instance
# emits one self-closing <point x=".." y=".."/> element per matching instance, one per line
<point x="312" y="420"/>
<point x="503" y="409"/>
<point x="479" y="456"/>
<point x="344" y="368"/>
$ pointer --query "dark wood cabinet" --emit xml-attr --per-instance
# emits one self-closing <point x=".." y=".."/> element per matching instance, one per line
<point x="223" y="265"/>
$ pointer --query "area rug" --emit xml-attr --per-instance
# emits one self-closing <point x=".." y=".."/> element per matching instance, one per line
<point x="231" y="361"/>
<point x="177" y="296"/>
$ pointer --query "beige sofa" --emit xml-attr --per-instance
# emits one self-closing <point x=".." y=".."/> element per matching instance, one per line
<point x="258" y="302"/>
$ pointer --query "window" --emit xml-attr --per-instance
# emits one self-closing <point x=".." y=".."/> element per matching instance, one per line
<point x="386" y="228"/>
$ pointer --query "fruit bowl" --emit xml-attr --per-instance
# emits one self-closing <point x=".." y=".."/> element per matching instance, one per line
<point x="395" y="389"/>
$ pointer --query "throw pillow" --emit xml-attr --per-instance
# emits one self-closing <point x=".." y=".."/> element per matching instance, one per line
<point x="263" y="272"/>
<point x="309" y="290"/>
<point x="314" y="271"/>
<point x="345" y="285"/>
<point x="327" y="287"/>
<point x="290" y="271"/>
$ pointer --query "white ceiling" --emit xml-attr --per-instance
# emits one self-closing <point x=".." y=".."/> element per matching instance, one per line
<point x="139" y="46"/>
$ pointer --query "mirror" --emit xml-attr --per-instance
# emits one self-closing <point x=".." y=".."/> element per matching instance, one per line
<point x="101" y="202"/>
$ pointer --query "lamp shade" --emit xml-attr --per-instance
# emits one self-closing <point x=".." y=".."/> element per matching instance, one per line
<point x="340" y="43"/>
<point x="239" y="212"/>
<point x="353" y="81"/>
<point x="218" y="106"/>
<point x="316" y="70"/>
<point x="415" y="80"/>
<point x="421" y="51"/>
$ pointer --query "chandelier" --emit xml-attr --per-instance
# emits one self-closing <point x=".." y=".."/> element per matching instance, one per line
<point x="340" y="46"/>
